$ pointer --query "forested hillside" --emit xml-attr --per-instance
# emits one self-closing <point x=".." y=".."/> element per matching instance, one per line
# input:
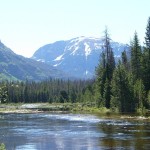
<point x="17" y="67"/>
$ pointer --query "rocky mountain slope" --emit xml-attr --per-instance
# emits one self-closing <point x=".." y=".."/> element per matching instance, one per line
<point x="78" y="56"/>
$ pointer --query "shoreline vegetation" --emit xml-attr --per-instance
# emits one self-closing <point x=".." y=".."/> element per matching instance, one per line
<point x="50" y="107"/>
<point x="83" y="108"/>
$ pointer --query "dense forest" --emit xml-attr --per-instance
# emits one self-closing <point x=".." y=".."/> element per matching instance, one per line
<point x="125" y="86"/>
<point x="52" y="90"/>
<point x="122" y="86"/>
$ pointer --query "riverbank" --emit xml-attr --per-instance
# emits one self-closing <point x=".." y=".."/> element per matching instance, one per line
<point x="42" y="107"/>
<point x="64" y="107"/>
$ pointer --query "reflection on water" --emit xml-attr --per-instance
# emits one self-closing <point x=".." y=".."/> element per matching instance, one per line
<point x="72" y="132"/>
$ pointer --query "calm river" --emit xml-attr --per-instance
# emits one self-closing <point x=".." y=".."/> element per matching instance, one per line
<point x="46" y="131"/>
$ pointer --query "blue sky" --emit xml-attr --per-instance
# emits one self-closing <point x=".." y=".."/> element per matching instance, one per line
<point x="26" y="25"/>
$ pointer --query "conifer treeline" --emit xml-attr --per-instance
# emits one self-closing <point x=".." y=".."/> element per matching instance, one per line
<point x="52" y="90"/>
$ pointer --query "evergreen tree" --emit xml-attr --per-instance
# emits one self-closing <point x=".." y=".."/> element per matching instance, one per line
<point x="146" y="59"/>
<point x="147" y="37"/>
<point x="146" y="69"/>
<point x="100" y="81"/>
<point x="107" y="93"/>
<point x="148" y="101"/>
<point x="139" y="95"/>
<point x="136" y="57"/>
<point x="109" y="56"/>
<point x="125" y="60"/>
<point x="73" y="96"/>
<point x="104" y="72"/>
<point x="88" y="96"/>
<point x="63" y="96"/>
<point x="3" y="94"/>
<point x="121" y="98"/>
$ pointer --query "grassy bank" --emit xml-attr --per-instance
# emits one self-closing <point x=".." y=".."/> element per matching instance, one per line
<point x="61" y="107"/>
<point x="38" y="107"/>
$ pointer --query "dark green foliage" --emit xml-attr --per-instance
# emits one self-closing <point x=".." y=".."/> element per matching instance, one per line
<point x="104" y="73"/>
<point x="63" y="96"/>
<point x="53" y="90"/>
<point x="3" y="94"/>
<point x="108" y="56"/>
<point x="125" y="61"/>
<point x="139" y="94"/>
<point x="121" y="99"/>
<point x="146" y="59"/>
<point x="100" y="81"/>
<point x="147" y="103"/>
<point x="136" y="57"/>
<point x="146" y="69"/>
<point x="73" y="96"/>
<point x="147" y="37"/>
<point x="125" y="88"/>
<point x="107" y="93"/>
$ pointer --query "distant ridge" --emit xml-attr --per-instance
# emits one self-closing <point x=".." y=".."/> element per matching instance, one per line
<point x="17" y="67"/>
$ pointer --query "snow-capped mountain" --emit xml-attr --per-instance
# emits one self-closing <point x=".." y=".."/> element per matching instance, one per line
<point x="77" y="57"/>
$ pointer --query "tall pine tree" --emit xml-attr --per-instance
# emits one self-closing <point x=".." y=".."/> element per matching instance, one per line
<point x="139" y="95"/>
<point x="147" y="37"/>
<point x="136" y="57"/>
<point x="121" y="98"/>
<point x="125" y="60"/>
<point x="104" y="72"/>
<point x="146" y="59"/>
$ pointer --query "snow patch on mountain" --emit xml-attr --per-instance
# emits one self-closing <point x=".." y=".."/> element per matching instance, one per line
<point x="41" y="60"/>
<point x="87" y="50"/>
<point x="75" y="48"/>
<point x="59" y="58"/>
<point x="56" y="65"/>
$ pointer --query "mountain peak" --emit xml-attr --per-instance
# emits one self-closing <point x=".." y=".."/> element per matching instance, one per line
<point x="84" y="39"/>
<point x="78" y="56"/>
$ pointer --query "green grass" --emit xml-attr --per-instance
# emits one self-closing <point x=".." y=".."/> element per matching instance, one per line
<point x="70" y="107"/>
<point x="63" y="107"/>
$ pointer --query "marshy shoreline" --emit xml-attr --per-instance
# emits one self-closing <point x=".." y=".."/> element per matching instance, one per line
<point x="66" y="108"/>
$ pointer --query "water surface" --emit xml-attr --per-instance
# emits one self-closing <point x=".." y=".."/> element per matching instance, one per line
<point x="47" y="131"/>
